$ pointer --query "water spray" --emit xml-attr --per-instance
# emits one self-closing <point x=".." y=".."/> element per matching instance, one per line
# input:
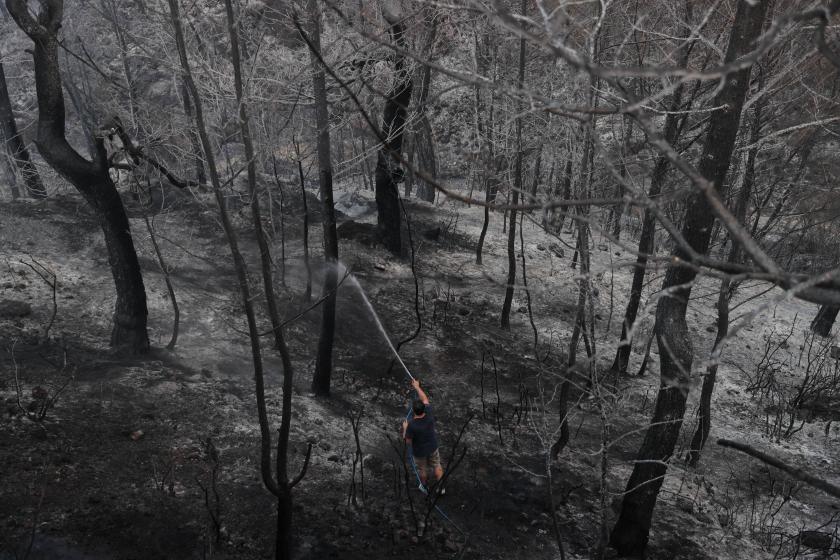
<point x="381" y="328"/>
<point x="375" y="316"/>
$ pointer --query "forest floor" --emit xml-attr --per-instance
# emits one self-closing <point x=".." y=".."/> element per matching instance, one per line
<point x="120" y="467"/>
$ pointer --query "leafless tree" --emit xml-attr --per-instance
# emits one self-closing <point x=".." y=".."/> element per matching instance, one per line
<point x="276" y="480"/>
<point x="389" y="172"/>
<point x="15" y="147"/>
<point x="90" y="177"/>
<point x="323" y="363"/>
<point x="630" y="534"/>
<point x="517" y="188"/>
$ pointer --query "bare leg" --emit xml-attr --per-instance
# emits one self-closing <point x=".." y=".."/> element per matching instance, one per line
<point x="422" y="471"/>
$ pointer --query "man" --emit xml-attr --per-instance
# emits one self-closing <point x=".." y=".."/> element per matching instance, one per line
<point x="420" y="435"/>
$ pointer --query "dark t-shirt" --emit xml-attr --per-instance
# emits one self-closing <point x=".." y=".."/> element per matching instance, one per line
<point x="421" y="432"/>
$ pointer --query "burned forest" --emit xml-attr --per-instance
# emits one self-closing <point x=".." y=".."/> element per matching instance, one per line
<point x="368" y="279"/>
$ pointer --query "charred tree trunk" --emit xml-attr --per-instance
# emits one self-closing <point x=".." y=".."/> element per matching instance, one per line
<point x="584" y="295"/>
<point x="284" y="525"/>
<point x="250" y="157"/>
<point x="7" y="162"/>
<point x="517" y="171"/>
<point x="90" y="178"/>
<point x="646" y="239"/>
<point x="134" y="156"/>
<point x="167" y="278"/>
<point x="389" y="171"/>
<point x="567" y="192"/>
<point x="824" y="321"/>
<point x="487" y="155"/>
<point x="535" y="179"/>
<point x="704" y="420"/>
<point x="424" y="145"/>
<point x="617" y="212"/>
<point x="18" y="154"/>
<point x="511" y="242"/>
<point x="277" y="483"/>
<point x="630" y="535"/>
<point x="704" y="414"/>
<point x="492" y="186"/>
<point x="130" y="311"/>
<point x="622" y="355"/>
<point x="195" y="143"/>
<point x="11" y="177"/>
<point x="307" y="294"/>
<point x="584" y="283"/>
<point x="323" y="361"/>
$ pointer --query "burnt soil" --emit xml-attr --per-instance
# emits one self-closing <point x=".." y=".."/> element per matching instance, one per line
<point x="122" y="465"/>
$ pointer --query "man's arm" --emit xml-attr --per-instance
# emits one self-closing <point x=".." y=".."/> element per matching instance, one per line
<point x="405" y="432"/>
<point x="424" y="398"/>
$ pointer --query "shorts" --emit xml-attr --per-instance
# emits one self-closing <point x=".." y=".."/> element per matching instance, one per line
<point x="432" y="461"/>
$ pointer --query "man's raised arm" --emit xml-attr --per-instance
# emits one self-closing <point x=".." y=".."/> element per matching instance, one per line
<point x="424" y="398"/>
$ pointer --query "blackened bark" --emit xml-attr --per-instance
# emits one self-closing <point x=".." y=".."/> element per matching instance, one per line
<point x="578" y="330"/>
<point x="622" y="355"/>
<point x="646" y="239"/>
<point x="511" y="245"/>
<point x="480" y="245"/>
<point x="563" y="438"/>
<point x="323" y="361"/>
<point x="535" y="179"/>
<point x="130" y="311"/>
<point x="424" y="138"/>
<point x="630" y="535"/>
<point x="567" y="192"/>
<point x="283" y="548"/>
<point x="487" y="155"/>
<point x="822" y="323"/>
<point x="617" y="212"/>
<point x="283" y="538"/>
<point x="116" y="124"/>
<point x="11" y="177"/>
<point x="17" y="151"/>
<point x="550" y="192"/>
<point x="425" y="144"/>
<point x="176" y="311"/>
<point x="90" y="178"/>
<point x="511" y="242"/>
<point x="8" y="165"/>
<point x="278" y="485"/>
<point x="256" y="212"/>
<point x="307" y="294"/>
<point x="236" y="255"/>
<point x="389" y="171"/>
<point x="704" y="414"/>
<point x="195" y="143"/>
<point x="492" y="182"/>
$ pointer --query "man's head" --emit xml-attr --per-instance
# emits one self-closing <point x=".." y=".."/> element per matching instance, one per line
<point x="418" y="407"/>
